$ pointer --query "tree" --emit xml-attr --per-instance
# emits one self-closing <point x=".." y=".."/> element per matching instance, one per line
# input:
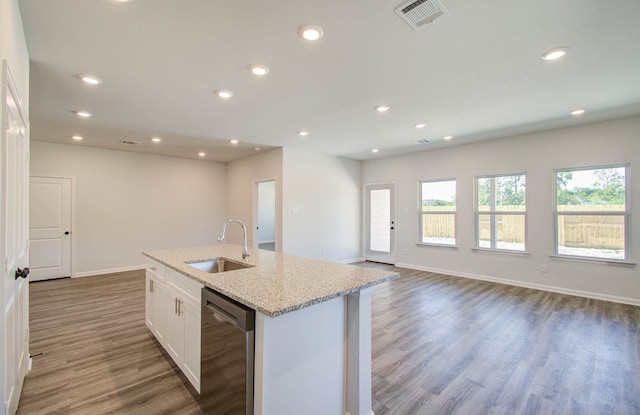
<point x="609" y="187"/>
<point x="564" y="195"/>
<point x="511" y="190"/>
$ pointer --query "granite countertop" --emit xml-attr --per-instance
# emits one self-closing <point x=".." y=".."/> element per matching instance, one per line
<point x="278" y="283"/>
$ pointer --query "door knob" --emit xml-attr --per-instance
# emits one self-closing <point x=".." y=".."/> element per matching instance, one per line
<point x="22" y="273"/>
<point x="67" y="233"/>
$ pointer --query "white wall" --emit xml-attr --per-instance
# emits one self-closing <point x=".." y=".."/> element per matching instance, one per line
<point x="126" y="202"/>
<point x="536" y="154"/>
<point x="321" y="206"/>
<point x="267" y="212"/>
<point x="13" y="47"/>
<point x="243" y="175"/>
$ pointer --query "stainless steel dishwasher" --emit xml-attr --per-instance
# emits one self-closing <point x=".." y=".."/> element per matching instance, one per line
<point x="226" y="384"/>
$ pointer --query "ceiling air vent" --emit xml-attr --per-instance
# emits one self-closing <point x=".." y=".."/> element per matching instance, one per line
<point x="420" y="13"/>
<point x="129" y="142"/>
<point x="425" y="141"/>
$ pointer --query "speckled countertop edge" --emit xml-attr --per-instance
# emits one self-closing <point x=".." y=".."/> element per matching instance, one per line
<point x="276" y="283"/>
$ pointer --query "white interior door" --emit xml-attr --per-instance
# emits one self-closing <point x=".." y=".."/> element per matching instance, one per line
<point x="380" y="223"/>
<point x="14" y="207"/>
<point x="50" y="227"/>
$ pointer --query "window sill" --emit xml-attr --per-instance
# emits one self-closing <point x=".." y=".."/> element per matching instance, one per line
<point x="437" y="245"/>
<point x="602" y="261"/>
<point x="501" y="252"/>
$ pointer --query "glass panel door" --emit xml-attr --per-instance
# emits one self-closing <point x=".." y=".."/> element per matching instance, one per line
<point x="380" y="223"/>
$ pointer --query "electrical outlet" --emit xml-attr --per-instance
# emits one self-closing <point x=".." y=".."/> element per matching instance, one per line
<point x="543" y="267"/>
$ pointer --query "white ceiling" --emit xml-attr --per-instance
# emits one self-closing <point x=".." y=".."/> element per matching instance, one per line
<point x="475" y="74"/>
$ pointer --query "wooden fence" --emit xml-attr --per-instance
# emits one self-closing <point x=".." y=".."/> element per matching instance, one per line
<point x="579" y="231"/>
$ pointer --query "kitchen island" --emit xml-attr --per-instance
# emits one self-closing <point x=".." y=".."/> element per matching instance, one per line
<point x="312" y="328"/>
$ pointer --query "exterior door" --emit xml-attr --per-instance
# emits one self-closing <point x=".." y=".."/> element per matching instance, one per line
<point x="380" y="223"/>
<point x="50" y="227"/>
<point x="14" y="251"/>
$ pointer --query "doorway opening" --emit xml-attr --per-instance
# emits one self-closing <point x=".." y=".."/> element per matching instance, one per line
<point x="266" y="225"/>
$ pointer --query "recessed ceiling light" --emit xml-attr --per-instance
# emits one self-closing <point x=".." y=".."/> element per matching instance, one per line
<point x="89" y="79"/>
<point x="382" y="108"/>
<point x="303" y="133"/>
<point x="123" y="1"/>
<point x="234" y="141"/>
<point x="375" y="150"/>
<point x="419" y="125"/>
<point x="310" y="32"/>
<point x="554" y="54"/>
<point x="202" y="154"/>
<point x="224" y="93"/>
<point x="77" y="137"/>
<point x="579" y="111"/>
<point x="257" y="148"/>
<point x="156" y="139"/>
<point x="259" y="70"/>
<point x="447" y="137"/>
<point x="83" y="114"/>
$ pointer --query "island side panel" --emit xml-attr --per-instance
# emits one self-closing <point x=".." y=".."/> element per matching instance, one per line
<point x="359" y="400"/>
<point x="300" y="361"/>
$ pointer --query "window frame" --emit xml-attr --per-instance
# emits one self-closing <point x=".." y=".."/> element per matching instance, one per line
<point x="626" y="214"/>
<point x="421" y="215"/>
<point x="477" y="213"/>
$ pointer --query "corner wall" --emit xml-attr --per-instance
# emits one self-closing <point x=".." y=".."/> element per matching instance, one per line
<point x="321" y="206"/>
<point x="241" y="196"/>
<point x="126" y="202"/>
<point x="537" y="154"/>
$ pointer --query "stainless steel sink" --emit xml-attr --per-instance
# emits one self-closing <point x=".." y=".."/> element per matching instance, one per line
<point x="218" y="265"/>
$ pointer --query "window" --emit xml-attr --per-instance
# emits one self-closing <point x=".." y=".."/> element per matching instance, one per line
<point x="501" y="212"/>
<point x="591" y="212"/>
<point x="437" y="212"/>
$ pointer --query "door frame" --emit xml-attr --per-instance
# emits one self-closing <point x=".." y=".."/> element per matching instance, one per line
<point x="391" y="257"/>
<point x="254" y="214"/>
<point x="73" y="214"/>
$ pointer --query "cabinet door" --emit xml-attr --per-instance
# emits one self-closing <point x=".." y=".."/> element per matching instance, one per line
<point x="174" y="326"/>
<point x="155" y="299"/>
<point x="192" y="319"/>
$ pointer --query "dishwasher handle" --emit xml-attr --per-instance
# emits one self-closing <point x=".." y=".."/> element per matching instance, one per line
<point x="221" y="315"/>
<point x="229" y="310"/>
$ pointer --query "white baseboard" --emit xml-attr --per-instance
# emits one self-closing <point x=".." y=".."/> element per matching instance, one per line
<point x="550" y="288"/>
<point x="350" y="261"/>
<point x="107" y="271"/>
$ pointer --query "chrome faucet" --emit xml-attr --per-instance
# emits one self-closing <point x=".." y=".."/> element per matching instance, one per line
<point x="245" y="251"/>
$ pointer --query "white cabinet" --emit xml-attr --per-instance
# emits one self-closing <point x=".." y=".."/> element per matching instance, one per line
<point x="174" y="339"/>
<point x="173" y="316"/>
<point x="192" y="318"/>
<point x="154" y="305"/>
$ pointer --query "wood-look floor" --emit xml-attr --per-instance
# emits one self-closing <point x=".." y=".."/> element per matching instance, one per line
<point x="93" y="354"/>
<point x="441" y="345"/>
<point x="448" y="345"/>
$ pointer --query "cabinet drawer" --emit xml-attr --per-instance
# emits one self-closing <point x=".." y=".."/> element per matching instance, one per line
<point x="192" y="289"/>
<point x="156" y="268"/>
